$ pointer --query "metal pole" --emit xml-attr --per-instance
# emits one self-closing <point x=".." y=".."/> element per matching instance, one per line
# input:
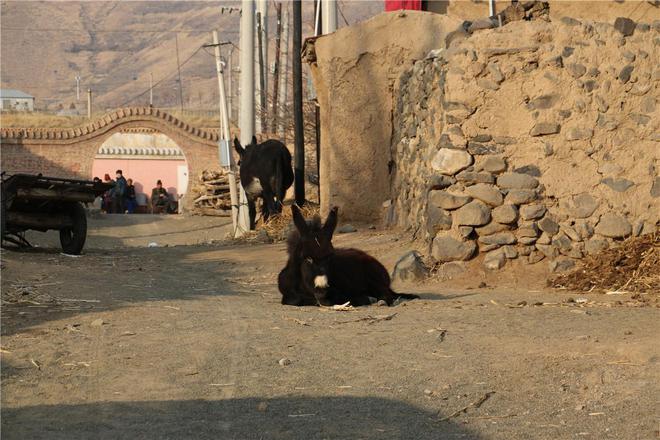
<point x="262" y="10"/>
<point x="246" y="119"/>
<point x="151" y="89"/>
<point x="224" y="125"/>
<point x="178" y="66"/>
<point x="230" y="88"/>
<point x="89" y="103"/>
<point x="284" y="75"/>
<point x="317" y="17"/>
<point x="262" y="77"/>
<point x="329" y="16"/>
<point x="276" y="73"/>
<point x="299" y="140"/>
<point x="491" y="8"/>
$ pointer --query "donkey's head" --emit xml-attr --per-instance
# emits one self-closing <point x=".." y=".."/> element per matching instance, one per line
<point x="315" y="241"/>
<point x="245" y="153"/>
<point x="313" y="247"/>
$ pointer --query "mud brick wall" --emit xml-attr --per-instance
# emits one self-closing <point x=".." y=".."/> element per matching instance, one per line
<point x="71" y="152"/>
<point x="537" y="140"/>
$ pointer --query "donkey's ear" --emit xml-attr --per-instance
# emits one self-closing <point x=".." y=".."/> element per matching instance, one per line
<point x="254" y="140"/>
<point x="331" y="222"/>
<point x="237" y="146"/>
<point x="298" y="219"/>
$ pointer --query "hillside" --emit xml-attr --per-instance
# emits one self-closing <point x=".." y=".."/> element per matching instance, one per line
<point x="115" y="46"/>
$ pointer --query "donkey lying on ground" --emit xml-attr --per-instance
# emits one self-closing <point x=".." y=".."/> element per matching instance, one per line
<point x="266" y="172"/>
<point x="318" y="274"/>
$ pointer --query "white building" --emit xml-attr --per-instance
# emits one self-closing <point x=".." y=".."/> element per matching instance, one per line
<point x="11" y="99"/>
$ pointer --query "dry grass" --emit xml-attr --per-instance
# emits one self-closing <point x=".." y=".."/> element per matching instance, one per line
<point x="633" y="267"/>
<point x="42" y="120"/>
<point x="278" y="227"/>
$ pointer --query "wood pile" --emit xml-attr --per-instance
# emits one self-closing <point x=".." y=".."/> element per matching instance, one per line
<point x="211" y="194"/>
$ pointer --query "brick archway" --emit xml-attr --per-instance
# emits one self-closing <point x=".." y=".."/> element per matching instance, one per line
<point x="70" y="152"/>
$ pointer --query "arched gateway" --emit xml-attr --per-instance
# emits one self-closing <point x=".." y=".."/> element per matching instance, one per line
<point x="71" y="152"/>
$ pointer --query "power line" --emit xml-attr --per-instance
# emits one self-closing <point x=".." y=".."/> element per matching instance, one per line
<point x="114" y="31"/>
<point x="163" y="78"/>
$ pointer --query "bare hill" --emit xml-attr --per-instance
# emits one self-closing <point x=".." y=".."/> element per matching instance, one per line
<point x="115" y="46"/>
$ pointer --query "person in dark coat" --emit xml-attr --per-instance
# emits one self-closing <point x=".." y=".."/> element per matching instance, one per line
<point x="160" y="199"/>
<point x="131" y="201"/>
<point x="106" y="204"/>
<point x="119" y="194"/>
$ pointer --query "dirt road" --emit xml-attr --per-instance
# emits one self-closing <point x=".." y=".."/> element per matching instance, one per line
<point x="191" y="342"/>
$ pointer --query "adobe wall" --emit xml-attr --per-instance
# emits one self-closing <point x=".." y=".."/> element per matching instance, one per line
<point x="538" y="140"/>
<point x="70" y="152"/>
<point x="354" y="71"/>
<point x="596" y="10"/>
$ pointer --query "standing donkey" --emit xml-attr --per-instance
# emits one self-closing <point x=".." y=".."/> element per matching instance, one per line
<point x="318" y="274"/>
<point x="266" y="172"/>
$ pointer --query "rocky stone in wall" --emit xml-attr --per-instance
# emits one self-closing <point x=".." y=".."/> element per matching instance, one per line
<point x="613" y="225"/>
<point x="505" y="213"/>
<point x="548" y="226"/>
<point x="618" y="184"/>
<point x="492" y="164"/>
<point x="446" y="247"/>
<point x="625" y="25"/>
<point x="520" y="196"/>
<point x="499" y="238"/>
<point x="532" y="212"/>
<point x="494" y="260"/>
<point x="438" y="220"/>
<point x="545" y="128"/>
<point x="516" y="181"/>
<point x="475" y="213"/>
<point x="446" y="200"/>
<point x="487" y="193"/>
<point x="448" y="161"/>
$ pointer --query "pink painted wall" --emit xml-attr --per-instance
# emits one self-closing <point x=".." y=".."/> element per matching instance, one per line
<point x="144" y="172"/>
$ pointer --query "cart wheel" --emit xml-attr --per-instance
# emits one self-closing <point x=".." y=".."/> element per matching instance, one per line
<point x="73" y="239"/>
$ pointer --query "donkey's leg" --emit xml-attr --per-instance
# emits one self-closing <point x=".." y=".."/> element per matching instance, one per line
<point x="269" y="199"/>
<point x="252" y="209"/>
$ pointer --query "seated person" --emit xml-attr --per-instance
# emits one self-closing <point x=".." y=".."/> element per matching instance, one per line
<point x="131" y="201"/>
<point x="160" y="199"/>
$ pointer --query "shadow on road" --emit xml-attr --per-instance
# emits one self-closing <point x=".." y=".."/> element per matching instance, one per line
<point x="246" y="418"/>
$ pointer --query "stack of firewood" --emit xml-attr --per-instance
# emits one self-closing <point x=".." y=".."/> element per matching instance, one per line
<point x="211" y="194"/>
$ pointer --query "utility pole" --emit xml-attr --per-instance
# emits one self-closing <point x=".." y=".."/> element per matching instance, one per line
<point x="262" y="11"/>
<point x="78" y="87"/>
<point x="262" y="77"/>
<point x="178" y="66"/>
<point x="329" y="16"/>
<point x="224" y="133"/>
<point x="230" y="88"/>
<point x="284" y="75"/>
<point x="89" y="103"/>
<point x="246" y="120"/>
<point x="299" y="140"/>
<point x="329" y="25"/>
<point x="276" y="73"/>
<point x="151" y="89"/>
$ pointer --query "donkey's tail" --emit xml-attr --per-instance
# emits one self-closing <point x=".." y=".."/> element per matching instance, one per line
<point x="394" y="295"/>
<point x="405" y="295"/>
<point x="279" y="190"/>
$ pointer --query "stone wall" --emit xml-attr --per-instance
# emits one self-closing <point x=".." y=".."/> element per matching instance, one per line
<point x="537" y="140"/>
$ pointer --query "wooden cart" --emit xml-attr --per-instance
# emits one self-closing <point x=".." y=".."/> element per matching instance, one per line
<point x="43" y="203"/>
